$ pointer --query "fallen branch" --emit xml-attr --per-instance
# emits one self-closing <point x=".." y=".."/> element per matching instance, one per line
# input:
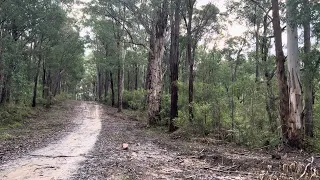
<point x="306" y="168"/>
<point x="49" y="156"/>
<point x="229" y="172"/>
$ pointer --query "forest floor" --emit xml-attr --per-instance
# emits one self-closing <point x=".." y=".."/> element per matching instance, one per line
<point x="84" y="140"/>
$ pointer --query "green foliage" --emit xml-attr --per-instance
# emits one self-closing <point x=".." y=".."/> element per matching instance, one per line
<point x="214" y="90"/>
<point x="314" y="142"/>
<point x="38" y="39"/>
<point x="64" y="96"/>
<point x="11" y="115"/>
<point x="6" y="136"/>
<point x="165" y="108"/>
<point x="135" y="100"/>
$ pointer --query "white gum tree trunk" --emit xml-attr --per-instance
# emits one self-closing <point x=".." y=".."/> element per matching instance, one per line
<point x="294" y="81"/>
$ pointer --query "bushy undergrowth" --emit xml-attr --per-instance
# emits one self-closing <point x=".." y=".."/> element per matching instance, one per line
<point x="135" y="100"/>
<point x="63" y="97"/>
<point x="12" y="114"/>
<point x="213" y="115"/>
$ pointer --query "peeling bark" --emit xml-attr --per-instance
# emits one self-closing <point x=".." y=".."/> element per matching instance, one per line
<point x="156" y="78"/>
<point x="157" y="46"/>
<point x="282" y="78"/>
<point x="294" y="80"/>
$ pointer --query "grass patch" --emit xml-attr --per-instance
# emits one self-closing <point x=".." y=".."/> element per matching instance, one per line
<point x="137" y="115"/>
<point x="11" y="115"/>
<point x="6" y="136"/>
<point x="63" y="97"/>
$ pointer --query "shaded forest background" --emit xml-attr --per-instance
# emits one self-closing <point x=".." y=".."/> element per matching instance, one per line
<point x="172" y="60"/>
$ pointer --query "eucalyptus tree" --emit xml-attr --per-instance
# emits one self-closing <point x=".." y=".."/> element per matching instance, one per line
<point x="45" y="34"/>
<point x="281" y="74"/>
<point x="104" y="46"/>
<point x="13" y="35"/>
<point x="294" y="81"/>
<point x="136" y="61"/>
<point x="67" y="62"/>
<point x="257" y="18"/>
<point x="153" y="17"/>
<point x="174" y="61"/>
<point x="30" y="31"/>
<point x="308" y="78"/>
<point x="235" y="56"/>
<point x="253" y="14"/>
<point x="309" y="17"/>
<point x="197" y="22"/>
<point x="114" y="12"/>
<point x="157" y="46"/>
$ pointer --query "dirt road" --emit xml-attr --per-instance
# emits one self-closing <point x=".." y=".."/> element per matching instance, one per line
<point x="59" y="160"/>
<point x="151" y="155"/>
<point x="92" y="150"/>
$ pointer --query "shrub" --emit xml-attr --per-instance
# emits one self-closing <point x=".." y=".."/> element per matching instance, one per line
<point x="12" y="114"/>
<point x="165" y="108"/>
<point x="63" y="97"/>
<point x="135" y="100"/>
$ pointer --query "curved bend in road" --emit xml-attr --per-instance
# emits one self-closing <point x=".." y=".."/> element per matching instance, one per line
<point x="59" y="160"/>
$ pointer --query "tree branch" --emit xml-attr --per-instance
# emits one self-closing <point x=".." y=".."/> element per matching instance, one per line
<point x="128" y="32"/>
<point x="262" y="8"/>
<point x="282" y="29"/>
<point x="134" y="9"/>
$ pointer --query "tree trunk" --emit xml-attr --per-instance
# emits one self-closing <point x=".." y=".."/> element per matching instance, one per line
<point x="127" y="87"/>
<point x="150" y="57"/>
<point x="234" y="79"/>
<point x="94" y="88"/>
<point x="44" y="81"/>
<point x="7" y="79"/>
<point x="154" y="93"/>
<point x="136" y="78"/>
<point x="257" y="50"/>
<point x="271" y="107"/>
<point x="190" y="59"/>
<point x="34" y="99"/>
<point x="282" y="79"/>
<point x="121" y="58"/>
<point x="121" y="78"/>
<point x="1" y="65"/>
<point x="112" y="90"/>
<point x="99" y="84"/>
<point x="106" y="85"/>
<point x="174" y="65"/>
<point x="308" y="96"/>
<point x="155" y="64"/>
<point x="49" y="82"/>
<point x="4" y="89"/>
<point x="57" y="84"/>
<point x="295" y="90"/>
